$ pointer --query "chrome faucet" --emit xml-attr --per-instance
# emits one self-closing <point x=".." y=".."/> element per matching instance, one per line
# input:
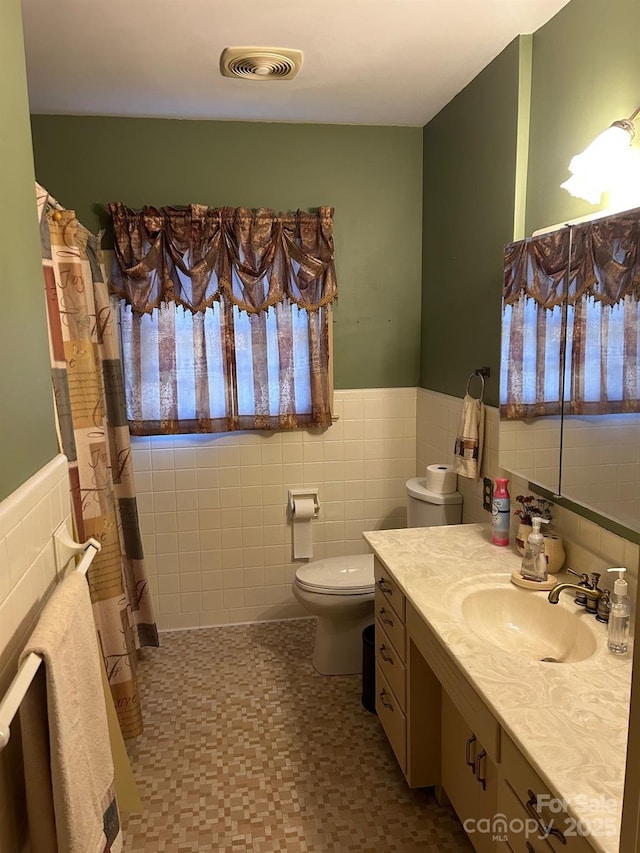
<point x="590" y="591"/>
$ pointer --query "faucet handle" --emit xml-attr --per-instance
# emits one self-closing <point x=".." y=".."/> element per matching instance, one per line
<point x="595" y="577"/>
<point x="584" y="577"/>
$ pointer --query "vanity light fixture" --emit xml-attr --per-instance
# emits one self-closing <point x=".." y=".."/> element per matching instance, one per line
<point x="607" y="163"/>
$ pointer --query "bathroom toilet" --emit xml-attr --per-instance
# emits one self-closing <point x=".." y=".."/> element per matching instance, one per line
<point x="340" y="591"/>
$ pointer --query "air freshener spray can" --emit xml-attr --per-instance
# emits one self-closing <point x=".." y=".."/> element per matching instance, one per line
<point x="500" y="512"/>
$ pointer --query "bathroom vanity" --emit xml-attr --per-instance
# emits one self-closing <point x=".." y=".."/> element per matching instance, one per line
<point x="531" y="753"/>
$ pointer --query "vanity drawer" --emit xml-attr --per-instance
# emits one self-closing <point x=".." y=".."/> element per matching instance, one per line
<point x="392" y="718"/>
<point x="519" y="832"/>
<point x="391" y="622"/>
<point x="392" y="665"/>
<point x="528" y="786"/>
<point x="390" y="589"/>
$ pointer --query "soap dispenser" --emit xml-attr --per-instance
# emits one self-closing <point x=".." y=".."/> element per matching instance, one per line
<point x="534" y="562"/>
<point x="618" y="640"/>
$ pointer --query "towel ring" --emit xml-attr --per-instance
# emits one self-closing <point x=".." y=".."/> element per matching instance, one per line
<point x="471" y="377"/>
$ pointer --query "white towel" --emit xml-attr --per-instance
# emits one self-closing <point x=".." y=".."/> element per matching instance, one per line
<point x="467" y="454"/>
<point x="65" y="739"/>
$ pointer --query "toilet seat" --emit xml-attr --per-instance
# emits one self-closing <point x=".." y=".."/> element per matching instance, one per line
<point x="338" y="575"/>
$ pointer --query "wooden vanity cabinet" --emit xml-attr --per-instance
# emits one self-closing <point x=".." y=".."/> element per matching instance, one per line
<point x="407" y="692"/>
<point x="469" y="777"/>
<point x="444" y="735"/>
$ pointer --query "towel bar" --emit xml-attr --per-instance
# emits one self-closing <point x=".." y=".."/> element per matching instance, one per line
<point x="25" y="675"/>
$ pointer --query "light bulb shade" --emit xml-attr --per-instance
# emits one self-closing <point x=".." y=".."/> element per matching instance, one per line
<point x="599" y="166"/>
<point x="624" y="194"/>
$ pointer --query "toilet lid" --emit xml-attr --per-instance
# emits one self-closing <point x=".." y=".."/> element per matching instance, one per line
<point x="338" y="575"/>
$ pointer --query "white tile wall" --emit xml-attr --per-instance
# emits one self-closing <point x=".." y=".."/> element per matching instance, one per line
<point x="213" y="508"/>
<point x="600" y="459"/>
<point x="28" y="574"/>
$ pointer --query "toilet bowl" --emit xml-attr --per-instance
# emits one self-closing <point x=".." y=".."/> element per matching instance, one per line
<point x="340" y="591"/>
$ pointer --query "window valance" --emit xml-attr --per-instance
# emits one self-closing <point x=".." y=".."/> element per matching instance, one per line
<point x="193" y="256"/>
<point x="604" y="263"/>
<point x="571" y="321"/>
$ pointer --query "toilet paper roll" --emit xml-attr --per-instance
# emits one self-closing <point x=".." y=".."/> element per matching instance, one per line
<point x="303" y="512"/>
<point x="441" y="479"/>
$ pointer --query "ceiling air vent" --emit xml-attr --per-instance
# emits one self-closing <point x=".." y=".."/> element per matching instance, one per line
<point x="260" y="63"/>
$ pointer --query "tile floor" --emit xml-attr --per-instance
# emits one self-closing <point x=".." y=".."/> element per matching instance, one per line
<point x="247" y="748"/>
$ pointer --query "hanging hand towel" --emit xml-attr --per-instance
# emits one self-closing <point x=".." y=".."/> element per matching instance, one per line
<point x="65" y="740"/>
<point x="467" y="454"/>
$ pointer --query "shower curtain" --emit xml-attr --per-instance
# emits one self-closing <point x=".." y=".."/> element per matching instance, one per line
<point x="94" y="436"/>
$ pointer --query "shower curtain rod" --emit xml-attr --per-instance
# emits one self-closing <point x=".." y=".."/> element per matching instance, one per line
<point x="50" y="200"/>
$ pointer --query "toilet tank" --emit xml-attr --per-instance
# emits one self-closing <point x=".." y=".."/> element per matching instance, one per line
<point x="428" y="509"/>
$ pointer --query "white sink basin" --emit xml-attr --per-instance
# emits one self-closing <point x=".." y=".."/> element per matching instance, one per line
<point x="526" y="624"/>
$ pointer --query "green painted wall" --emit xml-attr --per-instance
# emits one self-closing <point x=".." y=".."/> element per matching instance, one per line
<point x="27" y="424"/>
<point x="469" y="175"/>
<point x="371" y="175"/>
<point x="586" y="74"/>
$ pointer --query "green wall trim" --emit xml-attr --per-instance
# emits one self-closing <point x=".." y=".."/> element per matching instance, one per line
<point x="371" y="175"/>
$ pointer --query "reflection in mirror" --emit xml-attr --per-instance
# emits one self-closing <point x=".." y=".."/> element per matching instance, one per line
<point x="571" y="333"/>
<point x="531" y="449"/>
<point x="532" y="360"/>
<point x="601" y="465"/>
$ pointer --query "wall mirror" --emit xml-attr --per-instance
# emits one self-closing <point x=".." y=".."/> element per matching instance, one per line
<point x="569" y="380"/>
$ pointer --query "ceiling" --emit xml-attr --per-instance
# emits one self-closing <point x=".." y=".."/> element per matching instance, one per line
<point x="396" y="62"/>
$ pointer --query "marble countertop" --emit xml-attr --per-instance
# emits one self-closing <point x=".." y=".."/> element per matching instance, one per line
<point x="570" y="720"/>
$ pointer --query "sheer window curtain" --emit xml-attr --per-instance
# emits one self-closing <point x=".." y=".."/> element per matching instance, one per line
<point x="92" y="425"/>
<point x="580" y="284"/>
<point x="225" y="317"/>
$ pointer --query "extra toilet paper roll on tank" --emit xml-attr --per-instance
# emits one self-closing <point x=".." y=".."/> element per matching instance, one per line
<point x="441" y="479"/>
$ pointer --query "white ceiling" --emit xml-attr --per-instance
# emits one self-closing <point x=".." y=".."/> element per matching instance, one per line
<point x="377" y="62"/>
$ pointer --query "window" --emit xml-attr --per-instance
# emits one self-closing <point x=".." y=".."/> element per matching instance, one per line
<point x="225" y="318"/>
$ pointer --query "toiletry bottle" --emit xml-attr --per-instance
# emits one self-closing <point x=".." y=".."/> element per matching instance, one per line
<point x="534" y="562"/>
<point x="619" y="616"/>
<point x="500" y="512"/>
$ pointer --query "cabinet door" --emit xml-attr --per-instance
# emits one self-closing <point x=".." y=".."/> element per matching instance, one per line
<point x="392" y="665"/>
<point x="518" y="830"/>
<point x="484" y="840"/>
<point x="469" y="777"/>
<point x="459" y="750"/>
<point x="391" y="622"/>
<point x="530" y="791"/>
<point x="392" y="717"/>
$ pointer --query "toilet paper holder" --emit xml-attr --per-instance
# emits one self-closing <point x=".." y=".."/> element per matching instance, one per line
<point x="303" y="493"/>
